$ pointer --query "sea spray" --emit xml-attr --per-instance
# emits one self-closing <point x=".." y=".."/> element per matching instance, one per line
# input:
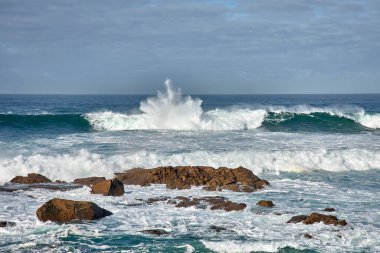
<point x="171" y="110"/>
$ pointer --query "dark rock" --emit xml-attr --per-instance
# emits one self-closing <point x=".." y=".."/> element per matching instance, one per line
<point x="183" y="177"/>
<point x="217" y="228"/>
<point x="308" y="236"/>
<point x="216" y="203"/>
<point x="10" y="187"/>
<point x="4" y="224"/>
<point x="111" y="187"/>
<point x="265" y="203"/>
<point x="63" y="210"/>
<point x="32" y="178"/>
<point x="229" y="206"/>
<point x="157" y="232"/>
<point x="329" y="209"/>
<point x="89" y="181"/>
<point x="156" y="199"/>
<point x="317" y="217"/>
<point x="297" y="218"/>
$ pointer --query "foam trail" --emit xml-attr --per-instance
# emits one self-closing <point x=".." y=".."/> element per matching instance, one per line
<point x="83" y="164"/>
<point x="171" y="110"/>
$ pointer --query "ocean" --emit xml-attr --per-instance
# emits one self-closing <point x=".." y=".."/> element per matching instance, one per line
<point x="317" y="151"/>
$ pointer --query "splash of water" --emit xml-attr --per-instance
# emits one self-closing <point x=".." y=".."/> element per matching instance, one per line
<point x="171" y="110"/>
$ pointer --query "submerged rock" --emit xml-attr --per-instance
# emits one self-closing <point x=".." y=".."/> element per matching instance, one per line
<point x="183" y="177"/>
<point x="308" y="236"/>
<point x="4" y="224"/>
<point x="217" y="228"/>
<point x="265" y="203"/>
<point x="297" y="218"/>
<point x="63" y="210"/>
<point x="215" y="203"/>
<point x="329" y="209"/>
<point x="157" y="232"/>
<point x="316" y="218"/>
<point x="111" y="187"/>
<point x="32" y="178"/>
<point x="89" y="181"/>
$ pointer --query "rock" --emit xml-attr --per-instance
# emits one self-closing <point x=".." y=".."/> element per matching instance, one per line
<point x="216" y="203"/>
<point x="308" y="236"/>
<point x="217" y="228"/>
<point x="157" y="199"/>
<point x="32" y="178"/>
<point x="63" y="210"/>
<point x="4" y="224"/>
<point x="317" y="217"/>
<point x="183" y="177"/>
<point x="265" y="203"/>
<point x="329" y="209"/>
<point x="48" y="186"/>
<point x="157" y="232"/>
<point x="89" y="181"/>
<point x="297" y="218"/>
<point x="111" y="187"/>
<point x="229" y="206"/>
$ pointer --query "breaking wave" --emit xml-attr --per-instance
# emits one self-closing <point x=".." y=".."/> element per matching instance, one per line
<point x="84" y="163"/>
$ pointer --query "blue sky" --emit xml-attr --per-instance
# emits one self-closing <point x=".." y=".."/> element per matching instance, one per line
<point x="230" y="47"/>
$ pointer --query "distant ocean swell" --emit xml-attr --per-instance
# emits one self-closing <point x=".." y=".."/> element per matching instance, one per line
<point x="217" y="119"/>
<point x="84" y="163"/>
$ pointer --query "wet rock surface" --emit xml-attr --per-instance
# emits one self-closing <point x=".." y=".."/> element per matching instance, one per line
<point x="4" y="224"/>
<point x="265" y="203"/>
<point x="183" y="177"/>
<point x="31" y="178"/>
<point x="329" y="209"/>
<point x="12" y="187"/>
<point x="64" y="210"/>
<point x="89" y="181"/>
<point x="111" y="187"/>
<point x="316" y="218"/>
<point x="156" y="232"/>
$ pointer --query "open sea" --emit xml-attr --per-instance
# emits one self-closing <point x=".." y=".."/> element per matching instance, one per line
<point x="317" y="151"/>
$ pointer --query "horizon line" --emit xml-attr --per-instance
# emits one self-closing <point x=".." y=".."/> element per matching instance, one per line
<point x="194" y="94"/>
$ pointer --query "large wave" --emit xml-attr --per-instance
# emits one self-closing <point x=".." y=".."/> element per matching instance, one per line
<point x="172" y="111"/>
<point x="84" y="163"/>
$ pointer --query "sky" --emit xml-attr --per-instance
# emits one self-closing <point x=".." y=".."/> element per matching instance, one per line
<point x="204" y="47"/>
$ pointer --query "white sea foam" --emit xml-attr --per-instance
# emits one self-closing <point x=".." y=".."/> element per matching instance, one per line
<point x="241" y="247"/>
<point x="170" y="110"/>
<point x="68" y="167"/>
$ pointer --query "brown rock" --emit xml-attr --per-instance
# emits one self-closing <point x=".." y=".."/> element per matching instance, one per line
<point x="297" y="218"/>
<point x="111" y="187"/>
<point x="32" y="178"/>
<point x="183" y="177"/>
<point x="63" y="210"/>
<point x="317" y="217"/>
<point x="329" y="209"/>
<point x="88" y="180"/>
<point x="4" y="224"/>
<point x="229" y="206"/>
<point x="157" y="232"/>
<point x="265" y="203"/>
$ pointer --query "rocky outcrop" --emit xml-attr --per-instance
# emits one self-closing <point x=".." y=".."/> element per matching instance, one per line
<point x="63" y="210"/>
<point x="111" y="187"/>
<point x="316" y="218"/>
<point x="265" y="203"/>
<point x="32" y="178"/>
<point x="4" y="224"/>
<point x="89" y="181"/>
<point x="183" y="177"/>
<point x="215" y="203"/>
<point x="157" y="232"/>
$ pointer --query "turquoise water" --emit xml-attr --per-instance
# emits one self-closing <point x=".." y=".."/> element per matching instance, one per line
<point x="316" y="150"/>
